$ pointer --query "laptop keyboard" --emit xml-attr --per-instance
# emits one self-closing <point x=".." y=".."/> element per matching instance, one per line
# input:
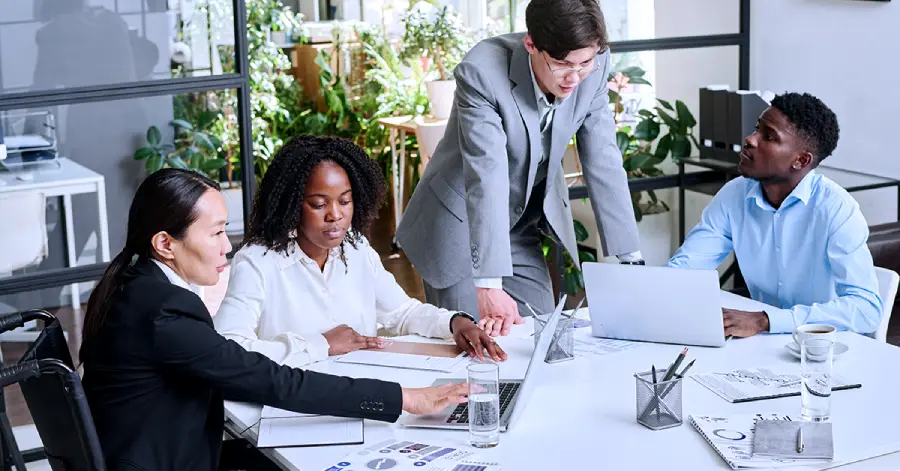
<point x="460" y="415"/>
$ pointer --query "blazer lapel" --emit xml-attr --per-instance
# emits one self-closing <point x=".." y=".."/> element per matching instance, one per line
<point x="562" y="116"/>
<point x="523" y="93"/>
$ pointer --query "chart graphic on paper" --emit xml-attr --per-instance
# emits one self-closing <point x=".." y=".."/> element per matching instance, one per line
<point x="398" y="455"/>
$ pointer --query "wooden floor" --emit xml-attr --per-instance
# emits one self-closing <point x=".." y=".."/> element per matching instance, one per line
<point x="72" y="319"/>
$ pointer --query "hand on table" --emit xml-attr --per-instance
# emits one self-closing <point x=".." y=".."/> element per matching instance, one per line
<point x="343" y="339"/>
<point x="498" y="311"/>
<point x="434" y="399"/>
<point x="743" y="323"/>
<point x="472" y="339"/>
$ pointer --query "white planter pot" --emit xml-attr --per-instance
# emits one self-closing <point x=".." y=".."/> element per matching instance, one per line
<point x="440" y="95"/>
<point x="234" y="201"/>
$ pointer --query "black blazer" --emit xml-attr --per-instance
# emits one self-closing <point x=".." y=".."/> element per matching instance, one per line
<point x="157" y="374"/>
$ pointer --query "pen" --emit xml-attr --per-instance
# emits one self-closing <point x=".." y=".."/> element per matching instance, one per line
<point x="800" y="439"/>
<point x="655" y="392"/>
<point x="536" y="317"/>
<point x="678" y="360"/>
<point x="571" y="316"/>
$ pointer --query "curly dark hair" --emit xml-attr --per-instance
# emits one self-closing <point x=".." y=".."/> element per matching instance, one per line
<point x="813" y="120"/>
<point x="278" y="203"/>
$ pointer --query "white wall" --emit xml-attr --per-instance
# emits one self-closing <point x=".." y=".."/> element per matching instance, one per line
<point x="846" y="52"/>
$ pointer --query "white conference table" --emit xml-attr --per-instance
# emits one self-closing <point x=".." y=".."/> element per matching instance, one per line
<point x="582" y="414"/>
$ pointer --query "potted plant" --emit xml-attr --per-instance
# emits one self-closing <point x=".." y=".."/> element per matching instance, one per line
<point x="190" y="149"/>
<point x="572" y="277"/>
<point x="442" y="43"/>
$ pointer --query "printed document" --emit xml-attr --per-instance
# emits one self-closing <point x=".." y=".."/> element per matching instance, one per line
<point x="587" y="345"/>
<point x="282" y="428"/>
<point x="411" y="355"/>
<point x="403" y="455"/>
<point x="750" y="384"/>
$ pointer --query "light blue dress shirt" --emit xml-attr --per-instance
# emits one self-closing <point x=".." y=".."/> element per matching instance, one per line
<point x="809" y="257"/>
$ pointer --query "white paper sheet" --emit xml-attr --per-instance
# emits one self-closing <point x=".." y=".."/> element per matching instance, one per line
<point x="757" y="383"/>
<point x="404" y="455"/>
<point x="280" y="428"/>
<point x="403" y="360"/>
<point x="587" y="345"/>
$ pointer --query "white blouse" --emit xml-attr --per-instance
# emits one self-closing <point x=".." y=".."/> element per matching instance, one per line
<point x="280" y="305"/>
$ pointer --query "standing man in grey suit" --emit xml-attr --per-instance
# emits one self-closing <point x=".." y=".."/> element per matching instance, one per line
<point x="495" y="182"/>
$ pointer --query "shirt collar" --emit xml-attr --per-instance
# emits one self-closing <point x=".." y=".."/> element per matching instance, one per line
<point x="802" y="192"/>
<point x="297" y="255"/>
<point x="540" y="96"/>
<point x="174" y="278"/>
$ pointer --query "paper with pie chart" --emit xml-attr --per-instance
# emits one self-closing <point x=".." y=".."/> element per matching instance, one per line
<point x="732" y="438"/>
<point x="401" y="455"/>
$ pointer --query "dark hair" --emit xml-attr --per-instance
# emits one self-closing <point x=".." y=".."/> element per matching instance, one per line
<point x="813" y="121"/>
<point x="278" y="203"/>
<point x="164" y="201"/>
<point x="559" y="27"/>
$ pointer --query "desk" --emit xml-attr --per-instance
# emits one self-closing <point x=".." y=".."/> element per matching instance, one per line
<point x="400" y="125"/>
<point x="583" y="412"/>
<point x="65" y="178"/>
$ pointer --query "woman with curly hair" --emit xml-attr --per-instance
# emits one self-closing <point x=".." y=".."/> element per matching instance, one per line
<point x="307" y="284"/>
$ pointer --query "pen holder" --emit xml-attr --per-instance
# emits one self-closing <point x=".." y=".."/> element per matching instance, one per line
<point x="562" y="345"/>
<point x="658" y="405"/>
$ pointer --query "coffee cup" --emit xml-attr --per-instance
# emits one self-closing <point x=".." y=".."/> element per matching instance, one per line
<point x="819" y="331"/>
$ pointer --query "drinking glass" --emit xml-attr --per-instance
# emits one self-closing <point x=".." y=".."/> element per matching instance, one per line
<point x="816" y="362"/>
<point x="484" y="404"/>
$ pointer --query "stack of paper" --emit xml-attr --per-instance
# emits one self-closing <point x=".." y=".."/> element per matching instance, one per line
<point x="753" y="384"/>
<point x="400" y="455"/>
<point x="732" y="438"/>
<point x="282" y="428"/>
<point x="410" y="355"/>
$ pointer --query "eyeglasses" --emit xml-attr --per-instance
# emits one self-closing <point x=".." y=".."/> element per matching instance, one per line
<point x="563" y="72"/>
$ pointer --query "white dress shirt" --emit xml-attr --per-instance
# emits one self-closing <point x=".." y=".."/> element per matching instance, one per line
<point x="280" y="305"/>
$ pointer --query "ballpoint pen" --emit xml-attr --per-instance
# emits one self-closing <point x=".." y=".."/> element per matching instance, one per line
<point x="655" y="391"/>
<point x="800" y="439"/>
<point x="678" y="360"/>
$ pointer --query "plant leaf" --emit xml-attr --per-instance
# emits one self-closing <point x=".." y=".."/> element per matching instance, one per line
<point x="154" y="163"/>
<point x="211" y="165"/>
<point x="622" y="141"/>
<point x="181" y="124"/>
<point x="145" y="153"/>
<point x="586" y="256"/>
<point x="154" y="136"/>
<point x="613" y="96"/>
<point x="581" y="232"/>
<point x="177" y="162"/>
<point x="684" y="114"/>
<point x="663" y="147"/>
<point x="204" y="141"/>
<point x="681" y="147"/>
<point x="636" y="161"/>
<point x="638" y="81"/>
<point x="646" y="113"/>
<point x="633" y="71"/>
<point x="671" y="122"/>
<point x="665" y="104"/>
<point x="647" y="130"/>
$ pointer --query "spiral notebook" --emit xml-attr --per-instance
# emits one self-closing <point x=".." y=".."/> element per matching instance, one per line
<point x="732" y="438"/>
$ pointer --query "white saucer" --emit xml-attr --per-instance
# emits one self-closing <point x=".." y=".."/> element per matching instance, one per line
<point x="839" y="349"/>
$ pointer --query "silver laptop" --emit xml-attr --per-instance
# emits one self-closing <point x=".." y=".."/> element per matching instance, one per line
<point x="514" y="394"/>
<point x="654" y="304"/>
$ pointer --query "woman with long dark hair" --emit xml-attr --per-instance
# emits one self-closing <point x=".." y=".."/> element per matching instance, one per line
<point x="307" y="247"/>
<point x="156" y="373"/>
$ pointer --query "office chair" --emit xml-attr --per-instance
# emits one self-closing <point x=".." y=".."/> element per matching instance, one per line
<point x="55" y="397"/>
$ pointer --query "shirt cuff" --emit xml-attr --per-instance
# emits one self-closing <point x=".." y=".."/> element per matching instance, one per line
<point x="495" y="283"/>
<point x="631" y="256"/>
<point x="317" y="347"/>
<point x="781" y="321"/>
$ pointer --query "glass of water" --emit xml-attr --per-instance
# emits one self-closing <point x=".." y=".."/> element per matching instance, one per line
<point x="484" y="404"/>
<point x="816" y="356"/>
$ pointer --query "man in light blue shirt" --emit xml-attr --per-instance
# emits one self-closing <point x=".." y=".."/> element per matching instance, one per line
<point x="800" y="239"/>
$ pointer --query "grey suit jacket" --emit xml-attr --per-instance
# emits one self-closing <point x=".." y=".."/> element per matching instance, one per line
<point x="481" y="175"/>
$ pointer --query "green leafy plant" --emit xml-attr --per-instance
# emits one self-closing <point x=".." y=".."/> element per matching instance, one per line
<point x="659" y="133"/>
<point x="191" y="149"/>
<point x="444" y="41"/>
<point x="573" y="279"/>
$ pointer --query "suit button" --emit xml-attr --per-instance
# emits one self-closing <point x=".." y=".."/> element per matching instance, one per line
<point x="520" y="210"/>
<point x="363" y="405"/>
<point x="475" y="258"/>
<point x="474" y="247"/>
<point x="476" y="265"/>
